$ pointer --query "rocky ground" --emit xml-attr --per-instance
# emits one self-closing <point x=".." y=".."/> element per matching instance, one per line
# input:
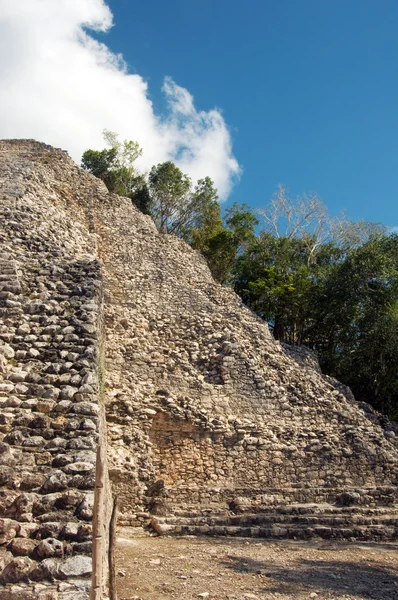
<point x="164" y="568"/>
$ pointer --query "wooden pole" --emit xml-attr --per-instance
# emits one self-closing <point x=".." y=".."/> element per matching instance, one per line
<point x="97" y="552"/>
<point x="111" y="552"/>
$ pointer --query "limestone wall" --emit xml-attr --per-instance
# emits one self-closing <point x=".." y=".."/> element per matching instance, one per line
<point x="203" y="407"/>
<point x="50" y="421"/>
<point x="201" y="396"/>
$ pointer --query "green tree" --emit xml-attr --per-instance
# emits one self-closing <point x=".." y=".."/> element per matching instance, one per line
<point x="127" y="152"/>
<point x="116" y="165"/>
<point x="206" y="218"/>
<point x="141" y="196"/>
<point x="356" y="322"/>
<point x="169" y="192"/>
<point x="102" y="164"/>
<point x="242" y="223"/>
<point x="229" y="241"/>
<point x="273" y="277"/>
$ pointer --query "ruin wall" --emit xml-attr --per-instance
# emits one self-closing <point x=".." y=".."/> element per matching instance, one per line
<point x="204" y="409"/>
<point x="52" y="418"/>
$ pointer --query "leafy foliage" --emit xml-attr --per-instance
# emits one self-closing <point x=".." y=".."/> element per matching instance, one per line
<point x="169" y="205"/>
<point x="116" y="165"/>
<point x="274" y="279"/>
<point x="225" y="242"/>
<point x="356" y="316"/>
<point x="101" y="163"/>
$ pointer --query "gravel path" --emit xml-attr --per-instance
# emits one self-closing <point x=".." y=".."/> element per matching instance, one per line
<point x="165" y="568"/>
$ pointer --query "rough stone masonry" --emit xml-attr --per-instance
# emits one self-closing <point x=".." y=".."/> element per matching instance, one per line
<point x="204" y="410"/>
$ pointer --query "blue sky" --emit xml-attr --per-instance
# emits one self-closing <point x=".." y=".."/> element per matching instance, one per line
<point x="308" y="89"/>
<point x="298" y="92"/>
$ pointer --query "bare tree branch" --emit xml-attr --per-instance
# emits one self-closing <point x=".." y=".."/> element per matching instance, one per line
<point x="307" y="218"/>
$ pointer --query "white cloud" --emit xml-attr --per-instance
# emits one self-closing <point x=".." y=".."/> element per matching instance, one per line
<point x="61" y="86"/>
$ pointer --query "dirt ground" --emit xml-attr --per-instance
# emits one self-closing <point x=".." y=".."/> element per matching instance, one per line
<point x="165" y="568"/>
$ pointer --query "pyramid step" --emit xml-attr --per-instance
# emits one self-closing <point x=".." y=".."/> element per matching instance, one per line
<point x="287" y="520"/>
<point x="279" y="531"/>
<point x="292" y="509"/>
<point x="299" y="521"/>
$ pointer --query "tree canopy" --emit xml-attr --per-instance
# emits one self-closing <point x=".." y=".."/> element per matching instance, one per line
<point x="115" y="165"/>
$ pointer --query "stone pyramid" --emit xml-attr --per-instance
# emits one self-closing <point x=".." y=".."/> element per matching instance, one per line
<point x="205" y="411"/>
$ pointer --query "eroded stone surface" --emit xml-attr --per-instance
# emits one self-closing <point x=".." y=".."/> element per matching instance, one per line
<point x="50" y="326"/>
<point x="204" y="408"/>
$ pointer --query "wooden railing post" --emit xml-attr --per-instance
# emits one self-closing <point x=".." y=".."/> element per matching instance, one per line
<point x="98" y="541"/>
<point x="111" y="552"/>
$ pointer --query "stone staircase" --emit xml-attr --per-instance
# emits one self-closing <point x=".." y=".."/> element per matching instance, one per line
<point x="9" y="280"/>
<point x="296" y="521"/>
